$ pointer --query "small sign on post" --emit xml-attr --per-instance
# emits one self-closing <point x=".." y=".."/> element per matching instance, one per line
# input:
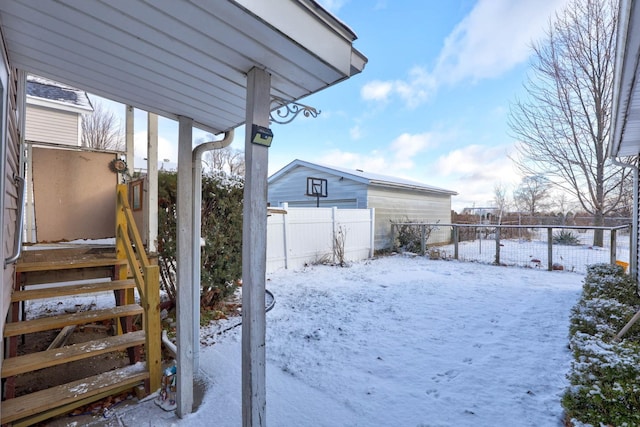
<point x="317" y="187"/>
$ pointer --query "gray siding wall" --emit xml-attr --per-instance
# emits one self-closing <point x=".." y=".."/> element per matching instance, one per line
<point x="291" y="188"/>
<point x="53" y="126"/>
<point x="402" y="205"/>
<point x="10" y="204"/>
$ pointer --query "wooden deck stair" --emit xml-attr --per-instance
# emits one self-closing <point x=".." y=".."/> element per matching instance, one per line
<point x="35" y="407"/>
<point x="41" y="405"/>
<point x="61" y="273"/>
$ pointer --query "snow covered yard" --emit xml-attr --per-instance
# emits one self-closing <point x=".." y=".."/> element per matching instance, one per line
<point x="402" y="341"/>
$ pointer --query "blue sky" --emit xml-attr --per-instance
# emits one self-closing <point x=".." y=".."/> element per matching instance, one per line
<point x="432" y="103"/>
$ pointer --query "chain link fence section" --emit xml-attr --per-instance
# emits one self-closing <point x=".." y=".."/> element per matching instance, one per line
<point x="548" y="247"/>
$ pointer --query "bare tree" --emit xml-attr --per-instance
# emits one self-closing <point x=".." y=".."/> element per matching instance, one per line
<point x="101" y="130"/>
<point x="500" y="199"/>
<point x="532" y="194"/>
<point x="226" y="159"/>
<point x="564" y="206"/>
<point x="564" y="123"/>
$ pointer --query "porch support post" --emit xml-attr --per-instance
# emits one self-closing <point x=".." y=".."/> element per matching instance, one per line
<point x="152" y="178"/>
<point x="184" y="255"/>
<point x="128" y="138"/>
<point x="254" y="253"/>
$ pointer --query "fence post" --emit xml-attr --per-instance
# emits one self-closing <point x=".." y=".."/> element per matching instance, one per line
<point x="455" y="241"/>
<point x="285" y="234"/>
<point x="423" y="242"/>
<point x="393" y="236"/>
<point x="334" y="224"/>
<point x="612" y="244"/>
<point x="372" y="237"/>
<point x="550" y="248"/>
<point x="497" y="245"/>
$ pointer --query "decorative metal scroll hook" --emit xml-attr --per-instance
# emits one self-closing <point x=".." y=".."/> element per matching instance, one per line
<point x="285" y="111"/>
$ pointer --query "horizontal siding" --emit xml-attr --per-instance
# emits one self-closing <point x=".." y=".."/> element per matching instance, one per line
<point x="403" y="205"/>
<point x="291" y="188"/>
<point x="52" y="126"/>
<point x="10" y="198"/>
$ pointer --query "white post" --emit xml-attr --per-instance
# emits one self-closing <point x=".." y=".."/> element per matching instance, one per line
<point x="152" y="178"/>
<point x="334" y="227"/>
<point x="285" y="236"/>
<point x="372" y="237"/>
<point x="128" y="138"/>
<point x="254" y="253"/>
<point x="29" y="206"/>
<point x="184" y="255"/>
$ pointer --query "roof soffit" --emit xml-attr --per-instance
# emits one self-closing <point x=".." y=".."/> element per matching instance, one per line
<point x="173" y="57"/>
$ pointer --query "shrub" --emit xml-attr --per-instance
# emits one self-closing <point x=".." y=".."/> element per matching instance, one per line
<point x="605" y="376"/>
<point x="221" y="229"/>
<point x="408" y="235"/>
<point x="566" y="237"/>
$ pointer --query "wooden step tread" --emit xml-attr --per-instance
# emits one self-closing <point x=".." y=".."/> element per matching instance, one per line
<point x="62" y="320"/>
<point x="65" y="290"/>
<point x="77" y="392"/>
<point x="44" y="359"/>
<point x="24" y="267"/>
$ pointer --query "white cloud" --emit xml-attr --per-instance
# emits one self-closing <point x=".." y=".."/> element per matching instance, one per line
<point x="407" y="146"/>
<point x="491" y="40"/>
<point x="376" y="90"/>
<point x="355" y="132"/>
<point x="397" y="159"/>
<point x="474" y="170"/>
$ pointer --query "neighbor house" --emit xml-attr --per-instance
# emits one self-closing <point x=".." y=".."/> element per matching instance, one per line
<point x="302" y="183"/>
<point x="214" y="65"/>
<point x="625" y="132"/>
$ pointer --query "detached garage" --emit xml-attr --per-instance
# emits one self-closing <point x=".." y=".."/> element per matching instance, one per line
<point x="305" y="184"/>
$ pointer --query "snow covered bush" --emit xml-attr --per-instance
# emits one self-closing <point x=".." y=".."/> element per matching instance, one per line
<point x="605" y="376"/>
<point x="221" y="229"/>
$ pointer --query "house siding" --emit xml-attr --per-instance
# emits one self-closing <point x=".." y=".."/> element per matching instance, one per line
<point x="11" y="192"/>
<point x="406" y="205"/>
<point x="52" y="126"/>
<point x="291" y="188"/>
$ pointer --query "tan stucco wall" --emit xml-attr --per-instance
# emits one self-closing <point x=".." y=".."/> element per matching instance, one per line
<point x="74" y="194"/>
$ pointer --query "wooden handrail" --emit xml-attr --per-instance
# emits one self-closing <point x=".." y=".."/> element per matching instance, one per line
<point x="129" y="245"/>
<point x="133" y="262"/>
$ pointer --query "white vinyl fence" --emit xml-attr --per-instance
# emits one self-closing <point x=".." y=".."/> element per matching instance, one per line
<point x="307" y="235"/>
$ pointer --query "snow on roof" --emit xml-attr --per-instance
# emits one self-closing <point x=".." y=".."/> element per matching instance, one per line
<point x="365" y="177"/>
<point x="39" y="87"/>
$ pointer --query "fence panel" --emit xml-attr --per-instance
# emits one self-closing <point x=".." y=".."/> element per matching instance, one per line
<point x="306" y="236"/>
<point x="545" y="247"/>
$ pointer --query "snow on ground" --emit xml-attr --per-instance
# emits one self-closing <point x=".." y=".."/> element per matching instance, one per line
<point x="399" y="341"/>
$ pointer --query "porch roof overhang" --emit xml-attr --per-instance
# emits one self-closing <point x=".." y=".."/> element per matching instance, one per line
<point x="625" y="133"/>
<point x="181" y="58"/>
